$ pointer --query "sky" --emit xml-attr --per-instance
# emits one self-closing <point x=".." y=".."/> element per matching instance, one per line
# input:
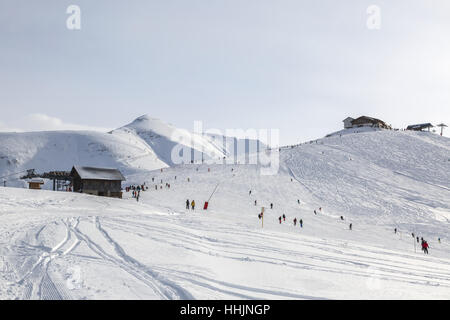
<point x="297" y="66"/>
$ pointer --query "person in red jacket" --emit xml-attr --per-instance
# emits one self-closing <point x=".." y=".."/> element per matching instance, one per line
<point x="425" y="247"/>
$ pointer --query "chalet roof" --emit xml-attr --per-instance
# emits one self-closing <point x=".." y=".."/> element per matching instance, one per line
<point x="419" y="126"/>
<point x="91" y="173"/>
<point x="368" y="119"/>
<point x="40" y="181"/>
<point x="348" y="118"/>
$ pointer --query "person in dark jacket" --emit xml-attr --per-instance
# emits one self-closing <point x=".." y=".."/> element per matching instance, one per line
<point x="279" y="219"/>
<point x="295" y="222"/>
<point x="284" y="217"/>
<point x="301" y="223"/>
<point x="187" y="204"/>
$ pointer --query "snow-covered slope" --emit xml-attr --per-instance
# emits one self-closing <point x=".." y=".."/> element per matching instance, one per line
<point x="144" y="144"/>
<point x="64" y="245"/>
<point x="60" y="150"/>
<point x="71" y="246"/>
<point x="399" y="177"/>
<point x="163" y="139"/>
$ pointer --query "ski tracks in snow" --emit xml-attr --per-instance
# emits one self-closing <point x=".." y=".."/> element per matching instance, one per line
<point x="162" y="287"/>
<point x="37" y="280"/>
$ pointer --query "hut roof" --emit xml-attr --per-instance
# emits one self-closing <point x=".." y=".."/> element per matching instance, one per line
<point x="419" y="126"/>
<point x="369" y="119"/>
<point x="40" y="181"/>
<point x="91" y="173"/>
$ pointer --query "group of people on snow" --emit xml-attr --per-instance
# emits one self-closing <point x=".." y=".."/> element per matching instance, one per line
<point x="192" y="203"/>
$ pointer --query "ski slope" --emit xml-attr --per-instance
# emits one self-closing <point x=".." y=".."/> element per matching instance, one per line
<point x="142" y="145"/>
<point x="57" y="245"/>
<point x="61" y="150"/>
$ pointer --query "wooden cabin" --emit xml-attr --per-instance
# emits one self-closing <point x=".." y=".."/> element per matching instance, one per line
<point x="365" y="121"/>
<point x="348" y="122"/>
<point x="97" y="181"/>
<point x="35" y="184"/>
<point x="420" y="126"/>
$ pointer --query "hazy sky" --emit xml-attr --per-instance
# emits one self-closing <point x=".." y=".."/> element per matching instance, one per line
<point x="299" y="66"/>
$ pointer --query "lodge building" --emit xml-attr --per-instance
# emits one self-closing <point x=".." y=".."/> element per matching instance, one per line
<point x="97" y="181"/>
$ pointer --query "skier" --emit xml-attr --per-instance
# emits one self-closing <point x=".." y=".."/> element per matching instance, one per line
<point x="439" y="239"/>
<point x="255" y="202"/>
<point x="395" y="230"/>
<point x="298" y="201"/>
<point x="259" y="216"/>
<point x="315" y="212"/>
<point x="342" y="218"/>
<point x="193" y="204"/>
<point x="250" y="192"/>
<point x="417" y="239"/>
<point x="187" y="204"/>
<point x="295" y="222"/>
<point x="412" y="235"/>
<point x="425" y="247"/>
<point x="301" y="223"/>
<point x="279" y="218"/>
<point x="271" y="206"/>
<point x="350" y="226"/>
<point x="284" y="217"/>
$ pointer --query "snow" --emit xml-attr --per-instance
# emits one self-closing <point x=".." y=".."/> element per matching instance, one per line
<point x="62" y="245"/>
<point x="145" y="144"/>
<point x="61" y="150"/>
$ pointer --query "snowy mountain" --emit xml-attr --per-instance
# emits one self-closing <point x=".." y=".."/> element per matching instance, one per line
<point x="144" y="144"/>
<point x="60" y="150"/>
<point x="59" y="245"/>
<point x="163" y="139"/>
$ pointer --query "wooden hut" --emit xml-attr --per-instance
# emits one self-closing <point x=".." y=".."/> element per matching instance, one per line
<point x="365" y="121"/>
<point x="35" y="184"/>
<point x="420" y="126"/>
<point x="97" y="181"/>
